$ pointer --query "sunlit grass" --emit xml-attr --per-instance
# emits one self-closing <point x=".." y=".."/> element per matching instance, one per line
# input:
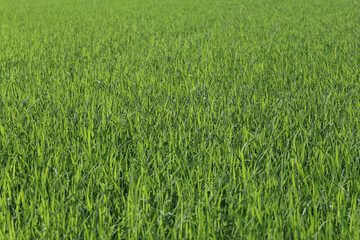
<point x="179" y="119"/>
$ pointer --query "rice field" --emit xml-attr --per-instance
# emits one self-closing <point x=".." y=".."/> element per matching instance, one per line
<point x="179" y="119"/>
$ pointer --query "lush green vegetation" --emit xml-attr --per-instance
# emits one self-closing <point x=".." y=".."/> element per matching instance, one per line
<point x="171" y="119"/>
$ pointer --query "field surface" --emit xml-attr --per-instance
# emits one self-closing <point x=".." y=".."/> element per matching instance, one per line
<point x="179" y="119"/>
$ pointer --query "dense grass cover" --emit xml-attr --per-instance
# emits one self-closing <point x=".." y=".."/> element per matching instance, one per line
<point x="170" y="119"/>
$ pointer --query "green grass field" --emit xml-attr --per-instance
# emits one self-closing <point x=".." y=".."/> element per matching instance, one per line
<point x="180" y="119"/>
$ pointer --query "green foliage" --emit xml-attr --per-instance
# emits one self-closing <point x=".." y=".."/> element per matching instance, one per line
<point x="171" y="119"/>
